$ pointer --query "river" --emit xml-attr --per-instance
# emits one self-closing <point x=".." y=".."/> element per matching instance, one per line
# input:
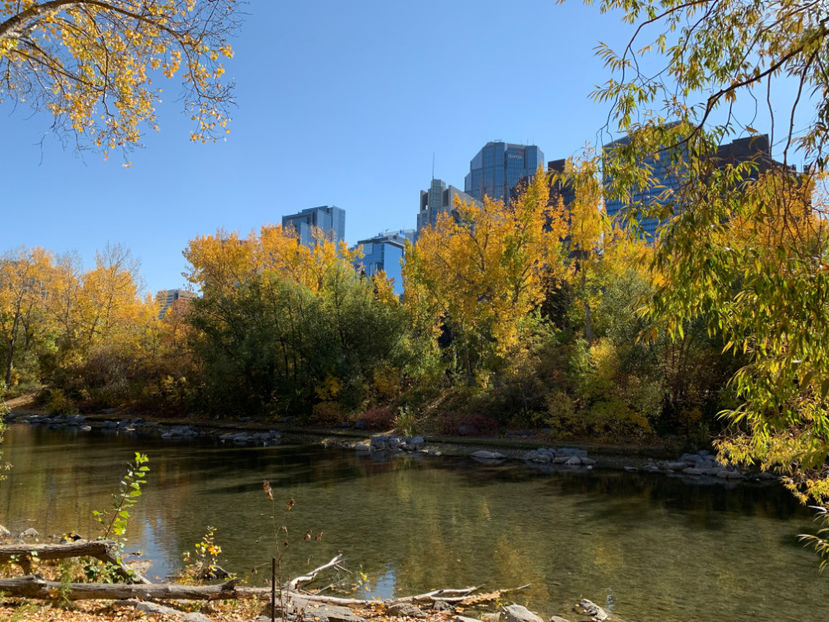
<point x="648" y="547"/>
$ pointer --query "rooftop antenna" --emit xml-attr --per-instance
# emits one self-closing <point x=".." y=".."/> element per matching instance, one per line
<point x="433" y="166"/>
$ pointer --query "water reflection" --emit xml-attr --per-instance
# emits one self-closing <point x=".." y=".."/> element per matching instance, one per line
<point x="648" y="546"/>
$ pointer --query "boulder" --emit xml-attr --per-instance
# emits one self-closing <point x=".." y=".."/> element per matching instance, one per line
<point x="592" y="609"/>
<point x="483" y="454"/>
<point x="407" y="610"/>
<point x="378" y="443"/>
<point x="5" y="533"/>
<point x="312" y="612"/>
<point x="31" y="532"/>
<point x="558" y="619"/>
<point x="518" y="613"/>
<point x="464" y="619"/>
<point x="571" y="451"/>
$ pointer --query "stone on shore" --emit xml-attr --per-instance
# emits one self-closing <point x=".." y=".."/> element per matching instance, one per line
<point x="407" y="610"/>
<point x="31" y="532"/>
<point x="518" y="613"/>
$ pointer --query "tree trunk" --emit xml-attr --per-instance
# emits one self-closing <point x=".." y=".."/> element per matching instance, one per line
<point x="33" y="586"/>
<point x="103" y="550"/>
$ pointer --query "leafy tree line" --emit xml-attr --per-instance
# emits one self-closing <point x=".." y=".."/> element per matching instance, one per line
<point x="520" y="315"/>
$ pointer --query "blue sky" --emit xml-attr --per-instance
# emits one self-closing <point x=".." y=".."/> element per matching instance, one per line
<point x="339" y="103"/>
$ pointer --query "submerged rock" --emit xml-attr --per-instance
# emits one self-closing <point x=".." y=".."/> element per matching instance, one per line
<point x="592" y="609"/>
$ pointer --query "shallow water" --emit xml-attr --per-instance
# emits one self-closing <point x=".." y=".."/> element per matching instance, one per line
<point x="647" y="547"/>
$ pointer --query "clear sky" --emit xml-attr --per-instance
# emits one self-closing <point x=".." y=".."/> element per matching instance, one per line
<point x="339" y="103"/>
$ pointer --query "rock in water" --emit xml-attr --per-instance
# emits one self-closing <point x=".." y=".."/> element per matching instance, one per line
<point x="592" y="609"/>
<point x="483" y="454"/>
<point x="518" y="613"/>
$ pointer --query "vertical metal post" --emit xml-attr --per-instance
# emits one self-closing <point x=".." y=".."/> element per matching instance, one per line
<point x="273" y="589"/>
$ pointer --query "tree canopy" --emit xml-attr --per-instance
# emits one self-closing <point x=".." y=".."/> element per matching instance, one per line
<point x="92" y="64"/>
<point x="745" y="244"/>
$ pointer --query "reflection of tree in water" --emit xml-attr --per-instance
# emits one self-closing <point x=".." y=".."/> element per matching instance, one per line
<point x="663" y="550"/>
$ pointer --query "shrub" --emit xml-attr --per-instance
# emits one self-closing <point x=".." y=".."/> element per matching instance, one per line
<point x="377" y="418"/>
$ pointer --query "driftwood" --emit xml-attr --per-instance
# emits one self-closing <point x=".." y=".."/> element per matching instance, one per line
<point x="293" y="584"/>
<point x="34" y="586"/>
<point x="104" y="550"/>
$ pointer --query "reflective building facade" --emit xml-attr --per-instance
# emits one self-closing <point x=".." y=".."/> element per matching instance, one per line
<point x="438" y="199"/>
<point x="498" y="167"/>
<point x="384" y="252"/>
<point x="652" y="197"/>
<point x="330" y="219"/>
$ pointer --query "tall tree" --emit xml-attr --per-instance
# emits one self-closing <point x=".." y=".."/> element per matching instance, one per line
<point x="480" y="272"/>
<point x="747" y="252"/>
<point x="24" y="283"/>
<point x="91" y="63"/>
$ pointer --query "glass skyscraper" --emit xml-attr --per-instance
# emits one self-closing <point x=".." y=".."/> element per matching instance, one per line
<point x="438" y="199"/>
<point x="385" y="252"/>
<point x="644" y="199"/>
<point x="329" y="219"/>
<point x="498" y="167"/>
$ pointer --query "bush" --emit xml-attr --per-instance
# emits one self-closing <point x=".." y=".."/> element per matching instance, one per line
<point x="56" y="402"/>
<point x="377" y="418"/>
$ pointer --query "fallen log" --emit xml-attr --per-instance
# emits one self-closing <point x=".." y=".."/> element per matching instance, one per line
<point x="35" y="586"/>
<point x="103" y="550"/>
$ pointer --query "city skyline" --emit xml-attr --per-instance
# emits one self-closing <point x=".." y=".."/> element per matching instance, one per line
<point x="330" y="123"/>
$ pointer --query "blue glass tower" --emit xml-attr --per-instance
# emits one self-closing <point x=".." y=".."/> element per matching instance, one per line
<point x="665" y="178"/>
<point x="329" y="219"/>
<point x="498" y="167"/>
<point x="384" y="252"/>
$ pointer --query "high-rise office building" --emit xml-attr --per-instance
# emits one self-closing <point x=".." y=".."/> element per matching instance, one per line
<point x="755" y="148"/>
<point x="384" y="252"/>
<point x="329" y="219"/>
<point x="498" y="167"/>
<point x="438" y="199"/>
<point x="650" y="198"/>
<point x="165" y="298"/>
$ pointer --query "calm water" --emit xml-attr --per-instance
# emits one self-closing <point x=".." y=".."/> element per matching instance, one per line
<point x="648" y="547"/>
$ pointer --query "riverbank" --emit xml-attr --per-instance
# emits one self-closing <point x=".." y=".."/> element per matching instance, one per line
<point x="532" y="447"/>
